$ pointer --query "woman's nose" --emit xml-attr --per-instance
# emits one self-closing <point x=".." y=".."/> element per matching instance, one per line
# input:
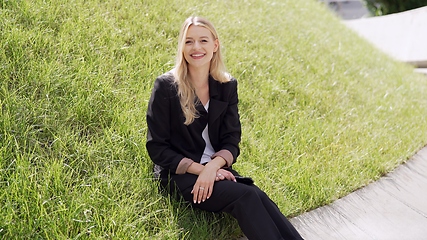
<point x="196" y="45"/>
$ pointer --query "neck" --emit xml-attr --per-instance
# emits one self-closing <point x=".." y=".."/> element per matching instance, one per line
<point x="199" y="76"/>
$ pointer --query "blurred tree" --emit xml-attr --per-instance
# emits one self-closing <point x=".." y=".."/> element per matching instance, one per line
<point x="383" y="7"/>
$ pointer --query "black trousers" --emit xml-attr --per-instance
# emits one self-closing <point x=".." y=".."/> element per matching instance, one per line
<point x="258" y="216"/>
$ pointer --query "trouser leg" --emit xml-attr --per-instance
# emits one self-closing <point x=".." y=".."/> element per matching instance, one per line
<point x="257" y="215"/>
<point x="286" y="229"/>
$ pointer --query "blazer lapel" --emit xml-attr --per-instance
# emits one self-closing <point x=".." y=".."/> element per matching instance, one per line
<point x="216" y="106"/>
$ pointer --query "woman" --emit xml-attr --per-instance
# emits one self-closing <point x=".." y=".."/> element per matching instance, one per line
<point x="194" y="132"/>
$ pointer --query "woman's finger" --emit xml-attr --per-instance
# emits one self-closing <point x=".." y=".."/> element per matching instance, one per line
<point x="209" y="193"/>
<point x="202" y="194"/>
<point x="223" y="174"/>
<point x="195" y="193"/>
<point x="232" y="177"/>
<point x="226" y="175"/>
<point x="220" y="176"/>
<point x="205" y="194"/>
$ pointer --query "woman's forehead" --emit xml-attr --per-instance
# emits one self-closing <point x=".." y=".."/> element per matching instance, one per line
<point x="198" y="32"/>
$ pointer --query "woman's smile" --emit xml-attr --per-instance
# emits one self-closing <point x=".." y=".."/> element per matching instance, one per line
<point x="200" y="45"/>
<point x="197" y="55"/>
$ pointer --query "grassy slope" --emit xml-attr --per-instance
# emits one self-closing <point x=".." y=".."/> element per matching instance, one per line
<point x="323" y="113"/>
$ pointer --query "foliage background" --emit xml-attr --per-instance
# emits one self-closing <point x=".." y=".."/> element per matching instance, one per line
<point x="384" y="7"/>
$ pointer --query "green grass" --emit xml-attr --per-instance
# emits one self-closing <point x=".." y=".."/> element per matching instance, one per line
<point x="323" y="113"/>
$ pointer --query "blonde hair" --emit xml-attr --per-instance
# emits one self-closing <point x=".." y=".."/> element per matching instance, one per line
<point x="186" y="91"/>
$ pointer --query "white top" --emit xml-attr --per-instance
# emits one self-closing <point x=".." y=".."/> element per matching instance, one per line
<point x="209" y="151"/>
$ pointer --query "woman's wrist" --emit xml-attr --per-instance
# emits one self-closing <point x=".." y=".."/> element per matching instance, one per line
<point x="218" y="162"/>
<point x="226" y="155"/>
<point x="195" y="168"/>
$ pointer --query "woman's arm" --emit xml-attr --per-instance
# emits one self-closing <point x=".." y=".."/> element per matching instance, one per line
<point x="230" y="127"/>
<point x="159" y="124"/>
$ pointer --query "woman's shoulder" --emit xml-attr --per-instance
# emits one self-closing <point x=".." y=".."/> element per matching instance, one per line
<point x="165" y="81"/>
<point x="225" y="89"/>
<point x="225" y="78"/>
<point x="232" y="82"/>
<point x="166" y="78"/>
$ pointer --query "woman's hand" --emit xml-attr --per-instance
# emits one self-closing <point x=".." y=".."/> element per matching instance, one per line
<point x="203" y="187"/>
<point x="223" y="174"/>
<point x="208" y="174"/>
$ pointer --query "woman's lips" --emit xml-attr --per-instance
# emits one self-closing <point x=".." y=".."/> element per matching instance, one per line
<point x="197" y="55"/>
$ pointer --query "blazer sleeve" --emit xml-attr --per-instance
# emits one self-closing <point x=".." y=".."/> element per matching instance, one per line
<point x="158" y="133"/>
<point x="230" y="133"/>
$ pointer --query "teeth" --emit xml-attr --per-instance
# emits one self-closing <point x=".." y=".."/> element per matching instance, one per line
<point x="197" y="55"/>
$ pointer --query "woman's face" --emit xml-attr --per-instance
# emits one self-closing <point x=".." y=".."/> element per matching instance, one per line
<point x="199" y="46"/>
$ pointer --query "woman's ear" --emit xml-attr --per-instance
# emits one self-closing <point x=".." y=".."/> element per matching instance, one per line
<point x="216" y="42"/>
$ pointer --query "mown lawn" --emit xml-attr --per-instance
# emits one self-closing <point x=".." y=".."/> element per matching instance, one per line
<point x="323" y="112"/>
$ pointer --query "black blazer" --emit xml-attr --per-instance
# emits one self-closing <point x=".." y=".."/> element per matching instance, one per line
<point x="169" y="140"/>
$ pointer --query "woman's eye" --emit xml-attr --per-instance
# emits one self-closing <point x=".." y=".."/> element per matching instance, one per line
<point x="188" y="42"/>
<point x="204" y="41"/>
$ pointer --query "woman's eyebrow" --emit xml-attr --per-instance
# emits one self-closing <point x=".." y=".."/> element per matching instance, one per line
<point x="199" y="37"/>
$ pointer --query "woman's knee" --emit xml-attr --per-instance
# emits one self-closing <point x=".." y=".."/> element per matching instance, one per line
<point x="261" y="194"/>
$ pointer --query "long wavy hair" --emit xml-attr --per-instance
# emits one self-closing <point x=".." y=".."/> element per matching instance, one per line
<point x="186" y="92"/>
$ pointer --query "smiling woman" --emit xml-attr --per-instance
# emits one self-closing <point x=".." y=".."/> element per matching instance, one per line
<point x="194" y="133"/>
<point x="200" y="45"/>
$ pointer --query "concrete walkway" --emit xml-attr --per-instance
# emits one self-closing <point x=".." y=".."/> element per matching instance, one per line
<point x="395" y="207"/>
